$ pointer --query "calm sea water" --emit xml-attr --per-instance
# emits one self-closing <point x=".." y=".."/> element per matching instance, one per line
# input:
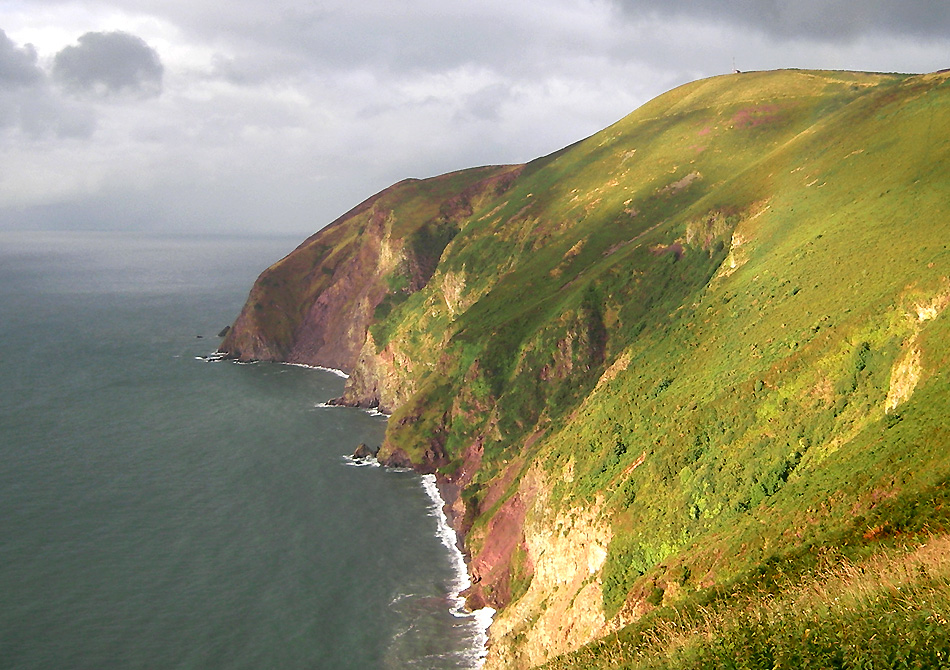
<point x="158" y="511"/>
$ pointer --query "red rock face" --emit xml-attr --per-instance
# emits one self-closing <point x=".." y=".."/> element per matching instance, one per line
<point x="491" y="576"/>
<point x="334" y="328"/>
<point x="315" y="306"/>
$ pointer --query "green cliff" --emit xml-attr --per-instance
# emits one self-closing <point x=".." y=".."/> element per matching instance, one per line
<point x="673" y="374"/>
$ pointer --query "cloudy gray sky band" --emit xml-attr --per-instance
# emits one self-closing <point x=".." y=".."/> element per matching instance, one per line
<point x="248" y="116"/>
<point x="106" y="64"/>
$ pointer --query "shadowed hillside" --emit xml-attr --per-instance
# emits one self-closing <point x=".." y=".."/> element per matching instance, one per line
<point x="687" y="366"/>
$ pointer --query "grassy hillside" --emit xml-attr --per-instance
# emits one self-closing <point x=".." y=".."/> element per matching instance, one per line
<point x="691" y="371"/>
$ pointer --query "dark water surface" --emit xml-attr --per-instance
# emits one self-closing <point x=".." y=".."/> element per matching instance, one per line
<point x="158" y="511"/>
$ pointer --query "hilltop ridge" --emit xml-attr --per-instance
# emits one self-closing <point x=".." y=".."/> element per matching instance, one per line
<point x="700" y="353"/>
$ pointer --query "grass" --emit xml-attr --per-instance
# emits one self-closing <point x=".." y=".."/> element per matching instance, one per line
<point x="704" y="310"/>
<point x="891" y="610"/>
<point x="795" y="359"/>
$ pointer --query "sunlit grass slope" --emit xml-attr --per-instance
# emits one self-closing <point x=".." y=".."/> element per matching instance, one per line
<point x="761" y="261"/>
<point x="718" y="323"/>
<point x="891" y="611"/>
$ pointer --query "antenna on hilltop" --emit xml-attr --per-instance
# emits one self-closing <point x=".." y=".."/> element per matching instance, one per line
<point x="734" y="70"/>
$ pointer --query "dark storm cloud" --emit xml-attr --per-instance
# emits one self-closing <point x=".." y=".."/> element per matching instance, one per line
<point x="17" y="64"/>
<point x="823" y="20"/>
<point x="109" y="63"/>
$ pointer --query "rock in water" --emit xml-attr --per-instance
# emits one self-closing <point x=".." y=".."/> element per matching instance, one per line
<point x="363" y="451"/>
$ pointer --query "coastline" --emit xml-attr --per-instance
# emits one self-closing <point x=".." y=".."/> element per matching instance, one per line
<point x="217" y="355"/>
<point x="436" y="488"/>
<point x="334" y="371"/>
<point x="444" y="493"/>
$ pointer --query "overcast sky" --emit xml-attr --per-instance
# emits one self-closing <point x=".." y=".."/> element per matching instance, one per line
<point x="277" y="116"/>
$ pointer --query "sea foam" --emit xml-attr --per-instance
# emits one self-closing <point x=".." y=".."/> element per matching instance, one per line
<point x="367" y="462"/>
<point x="372" y="411"/>
<point x="481" y="617"/>
<point x="335" y="371"/>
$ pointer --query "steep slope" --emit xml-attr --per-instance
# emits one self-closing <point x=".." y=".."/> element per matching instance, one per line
<point x="314" y="306"/>
<point x="703" y="343"/>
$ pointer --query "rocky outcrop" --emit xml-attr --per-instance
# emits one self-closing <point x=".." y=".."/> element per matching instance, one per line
<point x="333" y="330"/>
<point x="379" y="378"/>
<point x="560" y="554"/>
<point x="363" y="451"/>
<point x="315" y="306"/>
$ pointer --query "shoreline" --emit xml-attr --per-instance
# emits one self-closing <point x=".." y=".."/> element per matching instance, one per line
<point x="443" y="493"/>
<point x="218" y="356"/>
<point x="452" y="540"/>
<point x="437" y="488"/>
<point x="335" y="371"/>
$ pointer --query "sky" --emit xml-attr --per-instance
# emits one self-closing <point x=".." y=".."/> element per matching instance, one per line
<point x="277" y="116"/>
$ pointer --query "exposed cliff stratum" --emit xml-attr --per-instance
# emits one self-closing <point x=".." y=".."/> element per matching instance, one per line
<point x="694" y="360"/>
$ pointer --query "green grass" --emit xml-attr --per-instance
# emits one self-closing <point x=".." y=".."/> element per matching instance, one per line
<point x="749" y="256"/>
<point x="891" y="610"/>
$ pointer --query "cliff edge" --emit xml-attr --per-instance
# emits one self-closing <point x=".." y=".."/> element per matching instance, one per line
<point x="692" y="360"/>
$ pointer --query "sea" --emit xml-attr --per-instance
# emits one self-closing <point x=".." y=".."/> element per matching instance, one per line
<point x="158" y="510"/>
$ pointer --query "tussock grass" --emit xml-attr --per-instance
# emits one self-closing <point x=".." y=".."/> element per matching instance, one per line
<point x="891" y="610"/>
